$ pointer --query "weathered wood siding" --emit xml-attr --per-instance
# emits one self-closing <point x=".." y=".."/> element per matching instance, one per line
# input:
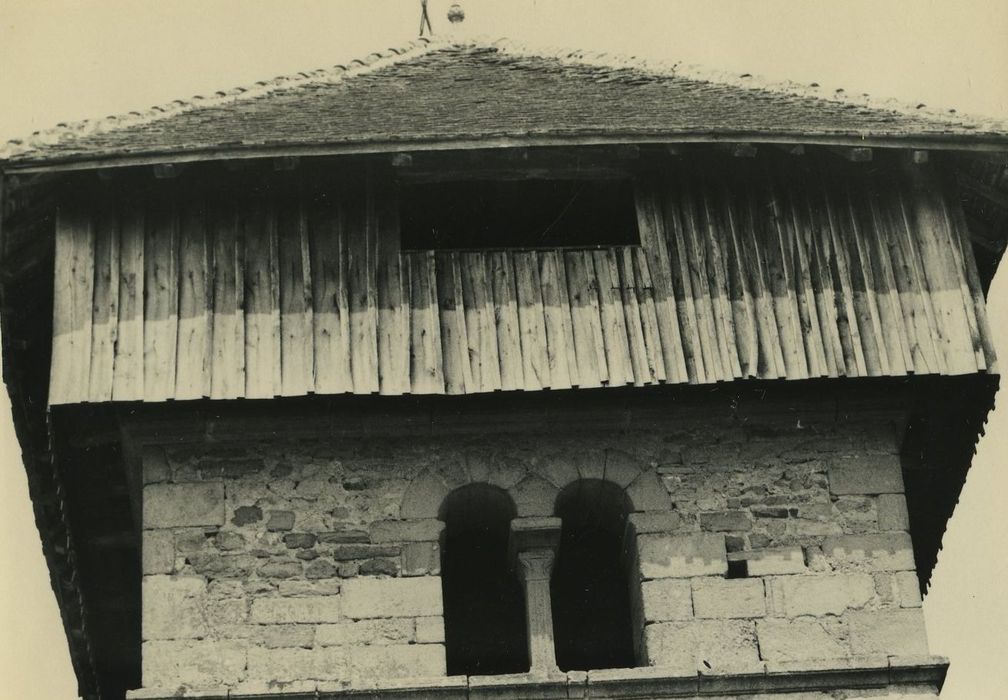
<point x="781" y="276"/>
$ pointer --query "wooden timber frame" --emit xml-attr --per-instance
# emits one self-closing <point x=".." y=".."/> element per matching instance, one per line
<point x="747" y="268"/>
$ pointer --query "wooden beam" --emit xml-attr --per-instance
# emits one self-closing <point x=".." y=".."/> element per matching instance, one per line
<point x="855" y="154"/>
<point x="166" y="171"/>
<point x="919" y="157"/>
<point x="980" y="189"/>
<point x="402" y="160"/>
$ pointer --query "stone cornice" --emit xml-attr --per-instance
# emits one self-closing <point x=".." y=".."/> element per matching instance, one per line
<point x="648" y="682"/>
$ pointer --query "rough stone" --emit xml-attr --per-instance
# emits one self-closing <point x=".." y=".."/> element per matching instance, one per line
<point x="228" y="541"/>
<point x="299" y="540"/>
<point x="195" y="663"/>
<point x="280" y="665"/>
<point x="246" y="515"/>
<point x="892" y="632"/>
<point x="421" y="558"/>
<point x="280" y="521"/>
<point x="892" y="512"/>
<point x="379" y="567"/>
<point x="892" y="551"/>
<point x="291" y="610"/>
<point x="728" y="598"/>
<point x="868" y="475"/>
<point x="666" y="599"/>
<point x="822" y="594"/>
<point x="349" y="552"/>
<point x="158" y="552"/>
<point x="719" y="646"/>
<point x="173" y="607"/>
<point x="397" y="661"/>
<point x="800" y="639"/>
<point x="679" y="556"/>
<point x="344" y="537"/>
<point x="321" y="568"/>
<point x="281" y="569"/>
<point x="392" y="597"/>
<point x="389" y="631"/>
<point x="155" y="465"/>
<point x="726" y="521"/>
<point x="183" y="505"/>
<point x="425" y="530"/>
<point x="669" y="521"/>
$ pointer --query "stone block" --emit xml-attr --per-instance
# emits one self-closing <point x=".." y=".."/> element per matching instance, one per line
<point x="647" y="493"/>
<point x="183" y="505"/>
<point x="174" y="607"/>
<point x="315" y="588"/>
<point x="891" y="551"/>
<point x="680" y="556"/>
<point x="399" y="630"/>
<point x="728" y="598"/>
<point x="349" y="552"/>
<point x="718" y="646"/>
<point x="158" y="552"/>
<point x="280" y="521"/>
<point x="666" y="599"/>
<point x="726" y="521"/>
<point x="397" y="661"/>
<point x="891" y="632"/>
<point x="392" y="597"/>
<point x="421" y="558"/>
<point x="668" y="521"/>
<point x="423" y="497"/>
<point x="392" y="531"/>
<point x="286" y="665"/>
<point x="533" y="496"/>
<point x="286" y="636"/>
<point x="774" y="560"/>
<point x="908" y="589"/>
<point x="794" y="640"/>
<point x="821" y="594"/>
<point x="292" y="610"/>
<point x="892" y="512"/>
<point x="430" y="630"/>
<point x="868" y="475"/>
<point x="193" y="663"/>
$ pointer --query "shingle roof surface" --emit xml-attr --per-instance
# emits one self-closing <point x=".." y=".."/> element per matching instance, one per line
<point x="450" y="92"/>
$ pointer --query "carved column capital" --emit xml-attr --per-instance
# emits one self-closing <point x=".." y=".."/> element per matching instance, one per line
<point x="535" y="564"/>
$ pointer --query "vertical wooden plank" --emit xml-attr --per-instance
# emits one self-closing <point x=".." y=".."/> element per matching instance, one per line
<point x="648" y="316"/>
<point x="962" y="239"/>
<point x="393" y="309"/>
<point x="192" y="371"/>
<point x="458" y="378"/>
<point x="362" y="284"/>
<point x="297" y="357"/>
<point x="614" y="332"/>
<point x="556" y="312"/>
<point x="643" y="373"/>
<point x="743" y="303"/>
<point x="781" y="286"/>
<point x="681" y="285"/>
<point x="128" y="380"/>
<point x="821" y="274"/>
<point x="73" y="296"/>
<point x="799" y="240"/>
<point x="585" y="321"/>
<point x="331" y="307"/>
<point x="770" y="363"/>
<point x="227" y="363"/>
<point x="426" y="363"/>
<point x="717" y="279"/>
<point x="506" y="316"/>
<point x="481" y="329"/>
<point x="262" y="356"/>
<point x="651" y="224"/>
<point x="531" y="322"/>
<point x="941" y="274"/>
<point x="105" y="309"/>
<point x="161" y="303"/>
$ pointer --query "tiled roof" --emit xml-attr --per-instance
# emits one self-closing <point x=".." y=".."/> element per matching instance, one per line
<point x="481" y="92"/>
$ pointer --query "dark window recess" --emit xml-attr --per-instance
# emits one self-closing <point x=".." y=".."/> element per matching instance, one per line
<point x="484" y="606"/>
<point x="481" y="214"/>
<point x="591" y="598"/>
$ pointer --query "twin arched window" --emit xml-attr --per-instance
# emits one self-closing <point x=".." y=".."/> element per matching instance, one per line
<point x="485" y="621"/>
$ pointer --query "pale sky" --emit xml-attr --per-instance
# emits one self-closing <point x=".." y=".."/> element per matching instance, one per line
<point x="70" y="60"/>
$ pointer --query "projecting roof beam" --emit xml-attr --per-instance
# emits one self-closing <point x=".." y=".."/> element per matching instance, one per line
<point x="166" y="171"/>
<point x="919" y="157"/>
<point x="792" y="149"/>
<point x="286" y="163"/>
<point x="738" y="150"/>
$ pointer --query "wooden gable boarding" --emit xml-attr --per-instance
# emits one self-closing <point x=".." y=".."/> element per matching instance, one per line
<point x="784" y="275"/>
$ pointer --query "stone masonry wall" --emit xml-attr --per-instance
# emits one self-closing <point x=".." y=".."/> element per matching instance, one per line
<point x="285" y="565"/>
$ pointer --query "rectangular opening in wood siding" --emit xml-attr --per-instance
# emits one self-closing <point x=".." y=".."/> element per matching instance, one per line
<point x="523" y="214"/>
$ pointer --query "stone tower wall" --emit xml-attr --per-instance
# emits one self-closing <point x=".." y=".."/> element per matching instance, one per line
<point x="292" y="564"/>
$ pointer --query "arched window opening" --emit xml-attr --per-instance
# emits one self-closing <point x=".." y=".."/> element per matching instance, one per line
<point x="591" y="600"/>
<point x="484" y="606"/>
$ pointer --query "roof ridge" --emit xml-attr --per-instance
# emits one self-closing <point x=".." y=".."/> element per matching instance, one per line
<point x="751" y="81"/>
<point x="333" y="74"/>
